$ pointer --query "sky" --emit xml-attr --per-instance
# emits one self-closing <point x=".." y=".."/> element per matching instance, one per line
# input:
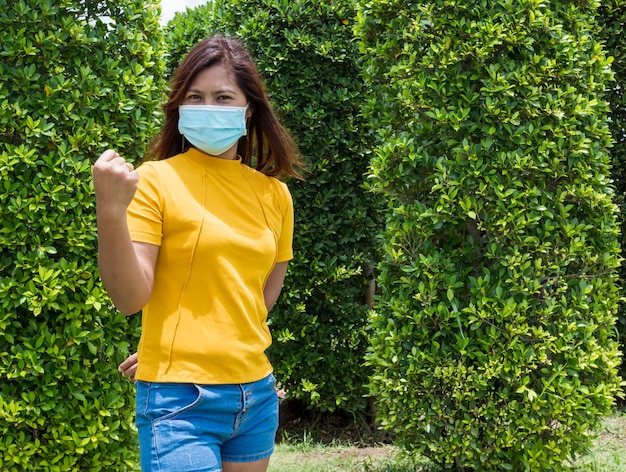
<point x="169" y="7"/>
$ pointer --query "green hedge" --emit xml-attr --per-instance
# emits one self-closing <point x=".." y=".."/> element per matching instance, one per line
<point x="306" y="54"/>
<point x="494" y="339"/>
<point x="71" y="85"/>
<point x="611" y="18"/>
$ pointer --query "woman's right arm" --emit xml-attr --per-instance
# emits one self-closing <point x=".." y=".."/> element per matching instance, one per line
<point x="126" y="268"/>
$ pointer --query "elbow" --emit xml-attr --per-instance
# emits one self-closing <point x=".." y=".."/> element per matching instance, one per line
<point x="128" y="310"/>
<point x="129" y="299"/>
<point x="129" y="307"/>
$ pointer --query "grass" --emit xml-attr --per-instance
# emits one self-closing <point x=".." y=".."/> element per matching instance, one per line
<point x="609" y="451"/>
<point x="344" y="458"/>
<point x="308" y="453"/>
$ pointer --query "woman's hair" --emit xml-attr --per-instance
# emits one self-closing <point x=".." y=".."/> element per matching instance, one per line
<point x="268" y="146"/>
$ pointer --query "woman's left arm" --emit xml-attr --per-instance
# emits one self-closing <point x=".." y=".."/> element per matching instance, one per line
<point x="274" y="284"/>
<point x="129" y="367"/>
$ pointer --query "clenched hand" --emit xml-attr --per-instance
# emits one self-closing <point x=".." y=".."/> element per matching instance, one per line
<point x="115" y="182"/>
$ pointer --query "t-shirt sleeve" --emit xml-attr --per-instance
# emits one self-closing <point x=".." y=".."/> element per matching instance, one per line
<point x="285" y="240"/>
<point x="145" y="212"/>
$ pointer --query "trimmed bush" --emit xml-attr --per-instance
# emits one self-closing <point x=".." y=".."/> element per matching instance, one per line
<point x="612" y="17"/>
<point x="75" y="78"/>
<point x="306" y="53"/>
<point x="494" y="339"/>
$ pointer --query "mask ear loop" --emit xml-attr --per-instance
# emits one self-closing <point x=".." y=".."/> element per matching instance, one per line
<point x="246" y="119"/>
<point x="182" y="143"/>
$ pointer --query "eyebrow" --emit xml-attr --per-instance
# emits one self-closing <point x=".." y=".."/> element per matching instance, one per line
<point x="216" y="92"/>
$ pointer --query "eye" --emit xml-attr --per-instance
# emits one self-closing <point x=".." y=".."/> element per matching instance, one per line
<point x="193" y="97"/>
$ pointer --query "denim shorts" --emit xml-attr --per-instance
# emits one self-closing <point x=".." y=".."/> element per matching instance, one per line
<point x="192" y="428"/>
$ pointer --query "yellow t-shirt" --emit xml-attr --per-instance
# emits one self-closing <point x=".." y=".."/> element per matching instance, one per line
<point x="221" y="227"/>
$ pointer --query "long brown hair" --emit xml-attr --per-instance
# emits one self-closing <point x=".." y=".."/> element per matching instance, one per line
<point x="268" y="146"/>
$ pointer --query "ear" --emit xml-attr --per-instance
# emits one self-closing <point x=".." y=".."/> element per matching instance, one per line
<point x="249" y="111"/>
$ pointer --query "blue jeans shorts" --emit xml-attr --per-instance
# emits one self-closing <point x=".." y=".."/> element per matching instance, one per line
<point x="194" y="428"/>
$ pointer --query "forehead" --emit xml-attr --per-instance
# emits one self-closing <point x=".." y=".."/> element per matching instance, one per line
<point x="214" y="78"/>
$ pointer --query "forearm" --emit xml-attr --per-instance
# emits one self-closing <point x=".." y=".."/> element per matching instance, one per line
<point x="121" y="272"/>
<point x="274" y="285"/>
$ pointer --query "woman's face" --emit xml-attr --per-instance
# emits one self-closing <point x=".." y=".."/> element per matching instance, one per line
<point x="214" y="86"/>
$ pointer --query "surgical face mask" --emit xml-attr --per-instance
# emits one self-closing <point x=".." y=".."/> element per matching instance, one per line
<point x="212" y="129"/>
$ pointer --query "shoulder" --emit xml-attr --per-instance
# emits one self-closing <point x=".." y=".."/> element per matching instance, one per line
<point x="270" y="186"/>
<point x="164" y="170"/>
<point x="159" y="166"/>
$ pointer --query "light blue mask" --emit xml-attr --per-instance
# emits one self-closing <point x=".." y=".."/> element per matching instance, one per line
<point x="212" y="129"/>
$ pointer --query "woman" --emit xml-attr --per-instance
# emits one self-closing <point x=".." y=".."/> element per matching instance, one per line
<point x="199" y="240"/>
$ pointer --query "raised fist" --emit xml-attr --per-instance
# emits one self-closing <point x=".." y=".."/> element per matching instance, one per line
<point x="115" y="181"/>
